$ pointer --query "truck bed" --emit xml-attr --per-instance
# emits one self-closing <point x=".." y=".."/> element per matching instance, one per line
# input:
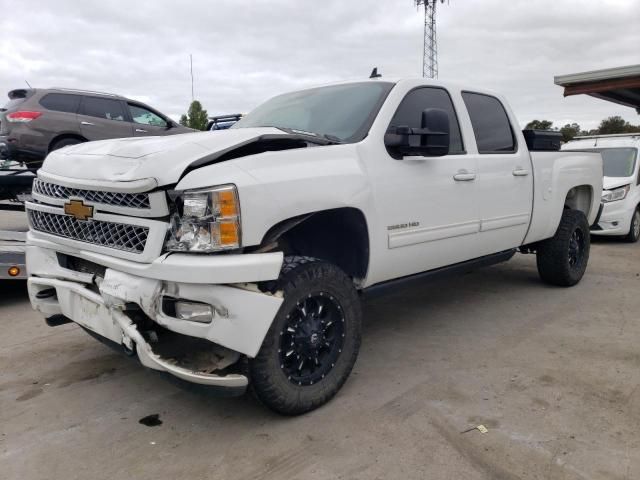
<point x="555" y="173"/>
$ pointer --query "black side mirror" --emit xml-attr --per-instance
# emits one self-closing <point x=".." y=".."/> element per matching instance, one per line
<point x="433" y="136"/>
<point x="170" y="124"/>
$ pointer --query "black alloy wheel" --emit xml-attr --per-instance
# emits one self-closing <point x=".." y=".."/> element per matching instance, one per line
<point x="312" y="339"/>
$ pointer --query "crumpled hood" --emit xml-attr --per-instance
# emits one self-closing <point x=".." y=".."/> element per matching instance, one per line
<point x="161" y="158"/>
<point x="609" y="183"/>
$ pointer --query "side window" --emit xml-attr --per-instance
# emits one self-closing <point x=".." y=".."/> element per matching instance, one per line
<point x="60" y="102"/>
<point x="490" y="123"/>
<point x="146" y="117"/>
<point x="103" y="108"/>
<point x="409" y="114"/>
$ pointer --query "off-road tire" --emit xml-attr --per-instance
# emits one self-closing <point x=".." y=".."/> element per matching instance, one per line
<point x="634" y="230"/>
<point x="269" y="381"/>
<point x="554" y="256"/>
<point x="64" y="142"/>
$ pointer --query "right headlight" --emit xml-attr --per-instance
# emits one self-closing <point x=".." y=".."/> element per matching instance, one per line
<point x="615" y="194"/>
<point x="207" y="220"/>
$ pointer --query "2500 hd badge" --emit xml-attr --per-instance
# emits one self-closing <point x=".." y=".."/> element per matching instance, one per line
<point x="403" y="225"/>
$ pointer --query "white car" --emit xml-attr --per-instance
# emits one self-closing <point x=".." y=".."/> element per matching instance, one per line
<point x="621" y="186"/>
<point x="240" y="255"/>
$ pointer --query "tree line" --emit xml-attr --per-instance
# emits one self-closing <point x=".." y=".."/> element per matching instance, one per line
<point x="610" y="125"/>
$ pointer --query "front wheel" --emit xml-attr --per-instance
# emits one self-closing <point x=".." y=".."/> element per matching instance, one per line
<point x="634" y="231"/>
<point x="313" y="342"/>
<point x="562" y="259"/>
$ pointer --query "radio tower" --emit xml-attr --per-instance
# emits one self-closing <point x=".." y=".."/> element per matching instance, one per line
<point x="430" y="51"/>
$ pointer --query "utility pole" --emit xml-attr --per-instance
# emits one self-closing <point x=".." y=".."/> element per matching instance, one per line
<point x="430" y="47"/>
<point x="191" y="69"/>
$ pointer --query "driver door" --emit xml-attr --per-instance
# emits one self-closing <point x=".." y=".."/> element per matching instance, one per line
<point x="427" y="205"/>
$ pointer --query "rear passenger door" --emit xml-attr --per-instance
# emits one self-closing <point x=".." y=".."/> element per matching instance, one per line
<point x="61" y="115"/>
<point x="146" y="122"/>
<point x="102" y="118"/>
<point x="505" y="178"/>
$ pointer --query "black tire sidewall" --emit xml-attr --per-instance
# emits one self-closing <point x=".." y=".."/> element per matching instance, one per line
<point x="269" y="382"/>
<point x="632" y="237"/>
<point x="577" y="274"/>
<point x="553" y="254"/>
<point x="65" y="142"/>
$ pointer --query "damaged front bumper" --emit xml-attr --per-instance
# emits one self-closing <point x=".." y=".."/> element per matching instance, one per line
<point x="102" y="304"/>
<point x="615" y="219"/>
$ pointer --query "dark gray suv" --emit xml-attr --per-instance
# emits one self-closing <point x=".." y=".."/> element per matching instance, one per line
<point x="37" y="121"/>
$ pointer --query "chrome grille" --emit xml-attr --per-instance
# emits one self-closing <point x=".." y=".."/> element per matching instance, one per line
<point x="130" y="238"/>
<point x="118" y="199"/>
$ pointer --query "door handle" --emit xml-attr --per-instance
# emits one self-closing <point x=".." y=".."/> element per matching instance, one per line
<point x="464" y="176"/>
<point x="520" y="172"/>
<point x="139" y="130"/>
<point x="87" y="123"/>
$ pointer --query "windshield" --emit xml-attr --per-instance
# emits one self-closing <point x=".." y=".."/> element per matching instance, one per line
<point x="343" y="112"/>
<point x="618" y="162"/>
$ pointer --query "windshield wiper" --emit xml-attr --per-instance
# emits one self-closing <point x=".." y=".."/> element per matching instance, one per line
<point x="331" y="139"/>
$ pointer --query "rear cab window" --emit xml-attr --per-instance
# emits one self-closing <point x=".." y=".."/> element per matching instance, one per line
<point x="106" y="108"/>
<point x="409" y="114"/>
<point x="61" y="102"/>
<point x="490" y="122"/>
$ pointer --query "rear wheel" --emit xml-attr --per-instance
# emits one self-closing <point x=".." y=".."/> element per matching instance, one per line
<point x="562" y="259"/>
<point x="634" y="231"/>
<point x="313" y="342"/>
<point x="64" y="142"/>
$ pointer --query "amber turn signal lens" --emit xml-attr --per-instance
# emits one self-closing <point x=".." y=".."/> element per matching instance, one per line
<point x="227" y="203"/>
<point x="229" y="234"/>
<point x="13" y="271"/>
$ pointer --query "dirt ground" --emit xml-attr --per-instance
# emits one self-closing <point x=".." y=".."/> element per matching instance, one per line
<point x="552" y="373"/>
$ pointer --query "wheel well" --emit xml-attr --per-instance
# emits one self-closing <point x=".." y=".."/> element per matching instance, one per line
<point x="579" y="198"/>
<point x="339" y="236"/>
<point x="63" y="137"/>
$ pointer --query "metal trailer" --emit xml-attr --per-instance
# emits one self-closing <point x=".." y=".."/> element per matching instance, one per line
<point x="15" y="188"/>
<point x="12" y="255"/>
<point x="15" y="184"/>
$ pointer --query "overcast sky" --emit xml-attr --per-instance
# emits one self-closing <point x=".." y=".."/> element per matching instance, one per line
<point x="246" y="51"/>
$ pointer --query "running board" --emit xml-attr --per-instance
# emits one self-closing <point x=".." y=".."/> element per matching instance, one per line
<point x="436" y="274"/>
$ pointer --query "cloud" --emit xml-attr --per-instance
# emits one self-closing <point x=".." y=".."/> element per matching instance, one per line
<point x="245" y="52"/>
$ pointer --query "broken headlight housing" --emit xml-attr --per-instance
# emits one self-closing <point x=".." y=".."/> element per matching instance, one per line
<point x="615" y="194"/>
<point x="205" y="220"/>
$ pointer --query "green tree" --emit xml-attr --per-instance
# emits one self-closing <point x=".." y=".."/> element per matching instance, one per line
<point x="196" y="117"/>
<point x="539" y="125"/>
<point x="569" y="131"/>
<point x="614" y="124"/>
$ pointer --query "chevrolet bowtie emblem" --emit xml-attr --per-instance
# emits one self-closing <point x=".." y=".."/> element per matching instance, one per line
<point x="79" y="210"/>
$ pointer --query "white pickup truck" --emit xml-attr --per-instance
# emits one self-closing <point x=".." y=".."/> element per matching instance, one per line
<point x="239" y="257"/>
